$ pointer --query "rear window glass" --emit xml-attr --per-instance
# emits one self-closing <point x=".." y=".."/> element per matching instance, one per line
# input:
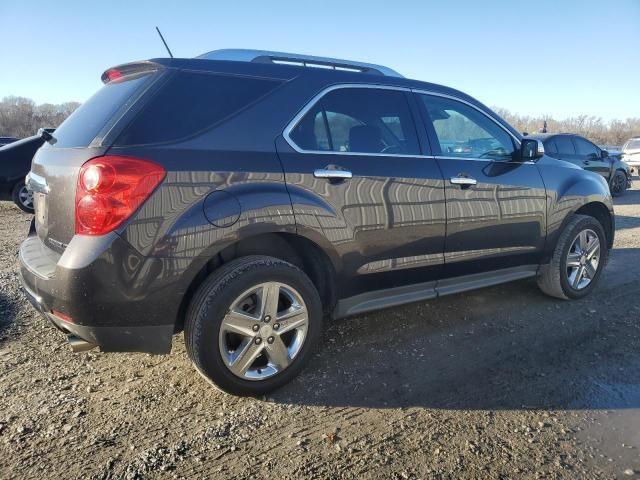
<point x="83" y="125"/>
<point x="191" y="102"/>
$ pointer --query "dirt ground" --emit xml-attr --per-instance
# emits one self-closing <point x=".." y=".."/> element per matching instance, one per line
<point x="499" y="383"/>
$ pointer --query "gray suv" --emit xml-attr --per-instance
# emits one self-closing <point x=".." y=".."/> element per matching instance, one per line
<point x="243" y="196"/>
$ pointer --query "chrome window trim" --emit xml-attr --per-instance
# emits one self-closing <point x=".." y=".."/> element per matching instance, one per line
<point x="293" y="123"/>
<point x="316" y="98"/>
<point x="457" y="99"/>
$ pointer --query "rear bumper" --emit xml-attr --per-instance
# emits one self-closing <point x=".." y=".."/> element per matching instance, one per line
<point x="149" y="339"/>
<point x="115" y="299"/>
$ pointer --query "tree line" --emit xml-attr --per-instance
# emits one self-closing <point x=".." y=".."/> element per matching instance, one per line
<point x="21" y="117"/>
<point x="612" y="132"/>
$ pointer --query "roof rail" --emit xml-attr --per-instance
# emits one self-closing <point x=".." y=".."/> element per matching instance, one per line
<point x="281" y="58"/>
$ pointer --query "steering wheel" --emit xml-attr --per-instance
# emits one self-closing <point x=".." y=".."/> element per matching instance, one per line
<point x="391" y="149"/>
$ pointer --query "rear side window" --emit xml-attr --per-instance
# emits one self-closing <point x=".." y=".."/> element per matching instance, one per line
<point x="359" y="120"/>
<point x="94" y="116"/>
<point x="191" y="102"/>
<point x="565" y="145"/>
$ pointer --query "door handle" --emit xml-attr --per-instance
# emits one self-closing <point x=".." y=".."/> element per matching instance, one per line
<point x="463" y="181"/>
<point x="332" y="174"/>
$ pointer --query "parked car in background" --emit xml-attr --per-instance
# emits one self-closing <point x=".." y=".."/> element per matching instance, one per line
<point x="15" y="162"/>
<point x="580" y="151"/>
<point x="7" y="140"/>
<point x="241" y="196"/>
<point x="631" y="154"/>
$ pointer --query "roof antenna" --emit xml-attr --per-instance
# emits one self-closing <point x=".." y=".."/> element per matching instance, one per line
<point x="165" y="43"/>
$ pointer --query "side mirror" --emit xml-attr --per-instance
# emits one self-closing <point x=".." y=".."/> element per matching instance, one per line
<point x="604" y="154"/>
<point x="531" y="149"/>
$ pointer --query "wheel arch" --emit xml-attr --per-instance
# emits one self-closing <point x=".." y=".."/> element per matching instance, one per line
<point x="298" y="250"/>
<point x="600" y="212"/>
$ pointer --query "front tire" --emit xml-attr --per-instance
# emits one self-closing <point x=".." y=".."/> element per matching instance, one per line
<point x="22" y="197"/>
<point x="253" y="324"/>
<point x="618" y="183"/>
<point x="578" y="259"/>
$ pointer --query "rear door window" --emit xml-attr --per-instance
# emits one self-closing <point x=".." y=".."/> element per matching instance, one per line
<point x="359" y="120"/>
<point x="191" y="102"/>
<point x="95" y="115"/>
<point x="565" y="145"/>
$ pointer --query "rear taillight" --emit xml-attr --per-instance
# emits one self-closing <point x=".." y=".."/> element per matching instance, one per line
<point x="110" y="189"/>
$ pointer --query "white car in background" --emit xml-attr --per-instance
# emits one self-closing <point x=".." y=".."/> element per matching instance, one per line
<point x="631" y="154"/>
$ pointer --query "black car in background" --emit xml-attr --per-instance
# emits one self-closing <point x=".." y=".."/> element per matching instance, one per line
<point x="580" y="151"/>
<point x="7" y="140"/>
<point x="15" y="162"/>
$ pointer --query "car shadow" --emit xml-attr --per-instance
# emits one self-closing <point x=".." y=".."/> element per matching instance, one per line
<point x="630" y="197"/>
<point x="505" y="347"/>
<point x="624" y="222"/>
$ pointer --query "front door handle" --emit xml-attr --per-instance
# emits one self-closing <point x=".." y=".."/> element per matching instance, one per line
<point x="332" y="174"/>
<point x="463" y="181"/>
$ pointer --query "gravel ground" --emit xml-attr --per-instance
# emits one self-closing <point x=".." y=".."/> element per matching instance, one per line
<point x="499" y="383"/>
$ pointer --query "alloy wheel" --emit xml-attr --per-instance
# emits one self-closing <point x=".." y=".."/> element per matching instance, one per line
<point x="583" y="259"/>
<point x="263" y="331"/>
<point x="619" y="184"/>
<point x="25" y="197"/>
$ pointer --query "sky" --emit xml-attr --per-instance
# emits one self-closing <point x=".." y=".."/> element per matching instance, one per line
<point x="562" y="57"/>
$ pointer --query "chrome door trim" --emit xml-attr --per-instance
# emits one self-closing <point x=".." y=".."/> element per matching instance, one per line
<point x="463" y="181"/>
<point x="332" y="173"/>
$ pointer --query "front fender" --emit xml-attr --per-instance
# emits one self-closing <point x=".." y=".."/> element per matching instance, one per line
<point x="569" y="190"/>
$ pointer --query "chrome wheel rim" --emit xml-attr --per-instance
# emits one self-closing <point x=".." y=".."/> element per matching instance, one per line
<point x="25" y="197"/>
<point x="583" y="259"/>
<point x="263" y="331"/>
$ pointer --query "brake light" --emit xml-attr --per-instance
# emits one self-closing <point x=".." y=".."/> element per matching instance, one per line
<point x="113" y="74"/>
<point x="110" y="189"/>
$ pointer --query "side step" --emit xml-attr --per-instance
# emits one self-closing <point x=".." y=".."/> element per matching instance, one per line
<point x="378" y="299"/>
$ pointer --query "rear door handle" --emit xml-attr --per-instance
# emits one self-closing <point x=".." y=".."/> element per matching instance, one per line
<point x="332" y="174"/>
<point x="464" y="181"/>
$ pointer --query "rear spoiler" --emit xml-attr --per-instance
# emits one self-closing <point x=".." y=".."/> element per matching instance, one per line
<point x="126" y="69"/>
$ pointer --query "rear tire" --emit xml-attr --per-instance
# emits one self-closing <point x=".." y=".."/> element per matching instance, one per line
<point x="559" y="278"/>
<point x="618" y="184"/>
<point x="232" y="339"/>
<point x="22" y="197"/>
